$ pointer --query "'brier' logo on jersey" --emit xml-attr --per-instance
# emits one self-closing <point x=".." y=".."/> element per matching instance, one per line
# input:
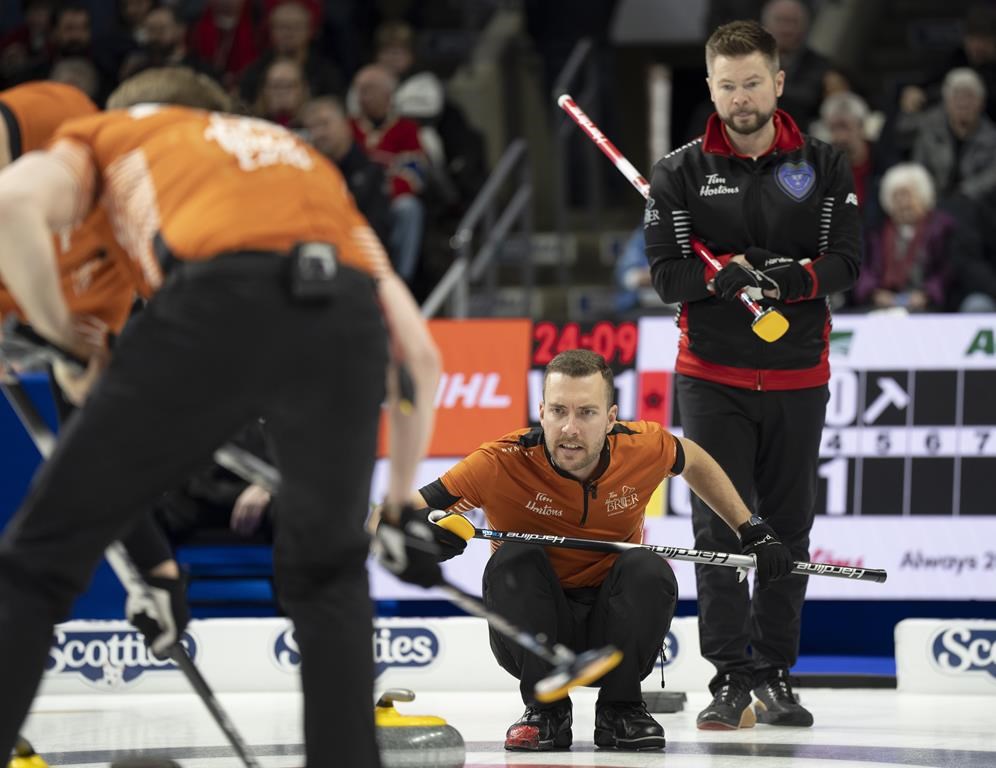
<point x="651" y="216"/>
<point x="958" y="650"/>
<point x="105" y="659"/>
<point x="618" y="502"/>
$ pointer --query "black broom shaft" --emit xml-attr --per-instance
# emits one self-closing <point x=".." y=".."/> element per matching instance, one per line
<point x="701" y="556"/>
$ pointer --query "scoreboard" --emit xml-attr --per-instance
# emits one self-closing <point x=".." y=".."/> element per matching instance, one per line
<point x="907" y="459"/>
<point x="909" y="442"/>
<point x="907" y="472"/>
<point x="911" y="422"/>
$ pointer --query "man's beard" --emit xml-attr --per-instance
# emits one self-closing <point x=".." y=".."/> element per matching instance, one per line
<point x="753" y="126"/>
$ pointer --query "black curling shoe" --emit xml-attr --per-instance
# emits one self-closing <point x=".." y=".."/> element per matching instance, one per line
<point x="541" y="729"/>
<point x="730" y="707"/>
<point x="627" y="725"/>
<point x="777" y="704"/>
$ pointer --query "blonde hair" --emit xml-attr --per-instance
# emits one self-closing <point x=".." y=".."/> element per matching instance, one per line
<point x="963" y="79"/>
<point x="171" y="85"/>
<point x="902" y="175"/>
<point x="844" y="104"/>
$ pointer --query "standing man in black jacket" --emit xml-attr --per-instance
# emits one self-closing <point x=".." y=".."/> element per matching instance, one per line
<point x="781" y="207"/>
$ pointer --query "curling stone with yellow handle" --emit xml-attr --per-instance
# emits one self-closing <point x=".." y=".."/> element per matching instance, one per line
<point x="25" y="756"/>
<point x="415" y="741"/>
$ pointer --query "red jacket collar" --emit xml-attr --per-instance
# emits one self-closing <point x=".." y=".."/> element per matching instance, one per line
<point x="788" y="137"/>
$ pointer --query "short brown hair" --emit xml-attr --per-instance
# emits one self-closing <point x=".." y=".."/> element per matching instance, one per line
<point x="171" y="85"/>
<point x="579" y="363"/>
<point x="741" y="38"/>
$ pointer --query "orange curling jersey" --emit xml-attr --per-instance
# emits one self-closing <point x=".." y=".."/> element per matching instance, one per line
<point x="92" y="266"/>
<point x="33" y="111"/>
<point x="95" y="273"/>
<point x="514" y="481"/>
<point x="210" y="183"/>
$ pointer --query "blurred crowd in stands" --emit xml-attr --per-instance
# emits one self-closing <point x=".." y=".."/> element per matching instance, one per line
<point x="924" y="163"/>
<point x="348" y="75"/>
<point x="351" y="77"/>
<point x="343" y="73"/>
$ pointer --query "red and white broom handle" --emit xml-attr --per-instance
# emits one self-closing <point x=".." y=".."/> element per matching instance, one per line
<point x="624" y="166"/>
<point x="634" y="177"/>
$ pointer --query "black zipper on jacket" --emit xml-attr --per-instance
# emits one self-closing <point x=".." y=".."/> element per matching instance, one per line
<point x="753" y="215"/>
<point x="589" y="486"/>
<point x="592" y="489"/>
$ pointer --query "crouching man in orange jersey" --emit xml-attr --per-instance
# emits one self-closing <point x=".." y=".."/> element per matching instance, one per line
<point x="584" y="474"/>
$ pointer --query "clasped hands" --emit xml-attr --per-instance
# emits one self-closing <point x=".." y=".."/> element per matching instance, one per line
<point x="762" y="274"/>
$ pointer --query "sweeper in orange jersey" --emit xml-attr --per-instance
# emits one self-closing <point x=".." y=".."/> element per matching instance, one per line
<point x="91" y="264"/>
<point x="270" y="296"/>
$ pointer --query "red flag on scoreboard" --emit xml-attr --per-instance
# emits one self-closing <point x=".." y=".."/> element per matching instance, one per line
<point x="654" y="397"/>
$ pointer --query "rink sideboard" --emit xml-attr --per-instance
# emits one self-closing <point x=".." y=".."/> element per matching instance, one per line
<point x="241" y="655"/>
<point x="448" y="654"/>
<point x="951" y="656"/>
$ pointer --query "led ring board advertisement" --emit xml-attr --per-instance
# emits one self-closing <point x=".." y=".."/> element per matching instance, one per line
<point x="907" y="458"/>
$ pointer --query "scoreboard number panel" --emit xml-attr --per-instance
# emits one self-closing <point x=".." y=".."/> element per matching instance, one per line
<point x="616" y="342"/>
<point x="836" y="487"/>
<point x="910" y="424"/>
<point x="976" y="486"/>
<point x="932" y="486"/>
<point x="883" y="417"/>
<point x="913" y="442"/>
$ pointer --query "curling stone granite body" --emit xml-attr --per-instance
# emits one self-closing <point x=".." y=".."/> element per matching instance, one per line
<point x="416" y="741"/>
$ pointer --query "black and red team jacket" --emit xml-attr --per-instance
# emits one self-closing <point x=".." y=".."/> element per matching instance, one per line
<point x="796" y="201"/>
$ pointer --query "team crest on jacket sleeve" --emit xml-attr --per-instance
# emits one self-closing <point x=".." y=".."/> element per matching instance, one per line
<point x="796" y="179"/>
<point x="651" y="216"/>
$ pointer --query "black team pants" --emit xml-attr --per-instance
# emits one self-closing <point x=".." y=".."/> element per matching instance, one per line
<point x="213" y="350"/>
<point x="145" y="541"/>
<point x="632" y="609"/>
<point x="768" y="443"/>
